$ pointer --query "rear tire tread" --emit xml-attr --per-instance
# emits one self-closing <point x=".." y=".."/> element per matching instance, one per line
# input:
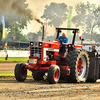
<point x="72" y="60"/>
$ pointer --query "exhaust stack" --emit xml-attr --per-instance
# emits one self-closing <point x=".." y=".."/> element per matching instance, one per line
<point x="43" y="32"/>
<point x="42" y="29"/>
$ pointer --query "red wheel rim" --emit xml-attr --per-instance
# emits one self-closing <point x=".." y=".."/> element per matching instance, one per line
<point x="79" y="69"/>
<point x="23" y="72"/>
<point x="56" y="74"/>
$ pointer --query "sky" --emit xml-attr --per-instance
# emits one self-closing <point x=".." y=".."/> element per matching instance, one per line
<point x="38" y="6"/>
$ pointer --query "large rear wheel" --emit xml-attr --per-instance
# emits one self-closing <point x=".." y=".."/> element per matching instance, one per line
<point x="79" y="66"/>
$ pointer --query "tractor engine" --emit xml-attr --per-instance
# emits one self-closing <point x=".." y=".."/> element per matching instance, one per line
<point x="49" y="55"/>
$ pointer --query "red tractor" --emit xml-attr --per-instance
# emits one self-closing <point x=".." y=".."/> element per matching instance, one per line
<point x="45" y="58"/>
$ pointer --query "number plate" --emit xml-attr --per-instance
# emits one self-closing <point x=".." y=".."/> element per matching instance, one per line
<point x="33" y="61"/>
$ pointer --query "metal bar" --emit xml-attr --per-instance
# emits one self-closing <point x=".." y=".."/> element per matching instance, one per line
<point x="67" y="29"/>
<point x="57" y="34"/>
<point x="74" y="37"/>
<point x="36" y="68"/>
<point x="43" y="33"/>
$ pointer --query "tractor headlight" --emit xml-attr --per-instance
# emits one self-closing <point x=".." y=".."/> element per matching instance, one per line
<point x="31" y="43"/>
<point x="40" y="44"/>
<point x="69" y="45"/>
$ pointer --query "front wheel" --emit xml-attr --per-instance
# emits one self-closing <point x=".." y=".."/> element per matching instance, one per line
<point x="38" y="76"/>
<point x="53" y="74"/>
<point x="20" y="72"/>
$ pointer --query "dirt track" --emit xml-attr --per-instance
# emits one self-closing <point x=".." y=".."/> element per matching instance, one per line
<point x="10" y="89"/>
<point x="7" y="67"/>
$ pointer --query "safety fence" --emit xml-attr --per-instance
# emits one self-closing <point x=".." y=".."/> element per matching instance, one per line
<point x="15" y="45"/>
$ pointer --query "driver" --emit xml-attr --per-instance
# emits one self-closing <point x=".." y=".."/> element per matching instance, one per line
<point x="63" y="40"/>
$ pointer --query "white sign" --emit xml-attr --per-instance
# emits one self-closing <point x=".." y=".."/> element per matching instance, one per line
<point x="13" y="53"/>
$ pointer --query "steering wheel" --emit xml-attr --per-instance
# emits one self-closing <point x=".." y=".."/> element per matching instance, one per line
<point x="60" y="41"/>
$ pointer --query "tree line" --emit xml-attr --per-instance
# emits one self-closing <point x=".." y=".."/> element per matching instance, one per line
<point x="87" y="18"/>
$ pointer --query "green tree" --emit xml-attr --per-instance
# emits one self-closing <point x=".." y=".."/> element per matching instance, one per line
<point x="31" y="36"/>
<point x="55" y="13"/>
<point x="87" y="17"/>
<point x="35" y="36"/>
<point x="38" y="35"/>
<point x="16" y="19"/>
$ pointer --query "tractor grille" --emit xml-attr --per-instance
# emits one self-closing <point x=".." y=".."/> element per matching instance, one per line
<point x="35" y="51"/>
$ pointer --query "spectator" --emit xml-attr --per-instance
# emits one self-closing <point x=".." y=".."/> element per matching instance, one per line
<point x="5" y="46"/>
<point x="94" y="50"/>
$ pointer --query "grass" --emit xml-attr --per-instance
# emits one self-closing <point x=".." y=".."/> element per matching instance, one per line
<point x="14" y="59"/>
<point x="12" y="74"/>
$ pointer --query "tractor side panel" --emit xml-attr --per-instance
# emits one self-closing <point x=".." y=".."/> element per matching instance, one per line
<point x="97" y="67"/>
<point x="93" y="67"/>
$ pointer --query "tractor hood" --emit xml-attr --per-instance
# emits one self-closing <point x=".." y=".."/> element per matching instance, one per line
<point x="45" y="44"/>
